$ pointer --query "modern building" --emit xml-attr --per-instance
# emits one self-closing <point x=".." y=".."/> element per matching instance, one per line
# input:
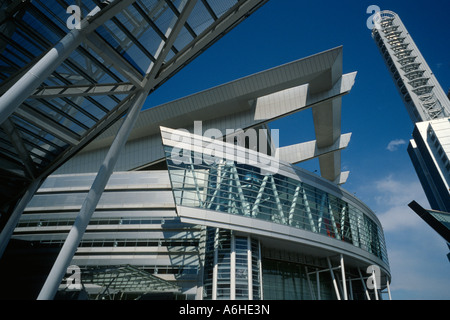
<point x="428" y="107"/>
<point x="205" y="204"/>
<point x="430" y="151"/>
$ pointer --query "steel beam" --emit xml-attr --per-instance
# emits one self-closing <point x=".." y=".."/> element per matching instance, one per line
<point x="164" y="51"/>
<point x="29" y="82"/>
<point x="344" y="283"/>
<point x="82" y="90"/>
<point x="18" y="144"/>
<point x="364" y="285"/>
<point x="8" y="230"/>
<point x="333" y="278"/>
<point x="77" y="231"/>
<point x="47" y="125"/>
<point x="99" y="46"/>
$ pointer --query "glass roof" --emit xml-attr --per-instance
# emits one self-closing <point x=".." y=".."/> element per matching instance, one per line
<point x="126" y="279"/>
<point x="133" y="44"/>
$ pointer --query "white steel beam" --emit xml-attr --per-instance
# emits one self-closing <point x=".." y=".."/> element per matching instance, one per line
<point x="259" y="196"/>
<point x="83" y="90"/>
<point x="309" y="150"/>
<point x="293" y="204"/>
<point x="215" y="264"/>
<point x="277" y="201"/>
<point x="364" y="285"/>
<point x="51" y="127"/>
<point x="18" y="144"/>
<point x="29" y="82"/>
<point x="344" y="282"/>
<point x="249" y="268"/>
<point x="99" y="46"/>
<point x="171" y="38"/>
<point x="333" y="278"/>
<point x="77" y="231"/>
<point x="308" y="211"/>
<point x="233" y="267"/>
<point x="333" y="222"/>
<point x="8" y="230"/>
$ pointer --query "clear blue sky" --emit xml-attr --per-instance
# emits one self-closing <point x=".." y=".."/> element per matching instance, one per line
<point x="287" y="30"/>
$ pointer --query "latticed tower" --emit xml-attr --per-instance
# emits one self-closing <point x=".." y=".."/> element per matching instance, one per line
<point x="422" y="94"/>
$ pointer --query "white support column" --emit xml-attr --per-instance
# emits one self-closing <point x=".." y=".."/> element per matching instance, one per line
<point x="293" y="205"/>
<point x="249" y="268"/>
<point x="336" y="289"/>
<point x="215" y="266"/>
<point x="389" y="290"/>
<point x="259" y="196"/>
<point x="318" y="284"/>
<point x="221" y="170"/>
<point x="344" y="283"/>
<point x="197" y="189"/>
<point x="233" y="268"/>
<point x="308" y="211"/>
<point x="343" y="211"/>
<point x="26" y="85"/>
<point x="87" y="209"/>
<point x="8" y="230"/>
<point x="375" y="284"/>
<point x="333" y="222"/>
<point x="277" y="201"/>
<point x="364" y="285"/>
<point x="261" y="289"/>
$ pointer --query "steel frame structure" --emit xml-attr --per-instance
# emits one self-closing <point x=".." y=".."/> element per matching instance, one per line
<point x="421" y="92"/>
<point x="61" y="89"/>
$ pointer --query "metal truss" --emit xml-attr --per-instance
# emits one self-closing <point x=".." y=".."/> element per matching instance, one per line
<point x="61" y="88"/>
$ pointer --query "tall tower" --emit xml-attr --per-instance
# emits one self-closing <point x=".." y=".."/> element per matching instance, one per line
<point x="426" y="102"/>
<point x="422" y="94"/>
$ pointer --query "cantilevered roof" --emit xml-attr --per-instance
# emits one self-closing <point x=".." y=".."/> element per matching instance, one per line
<point x="313" y="82"/>
<point x="124" y="279"/>
<point x="61" y="87"/>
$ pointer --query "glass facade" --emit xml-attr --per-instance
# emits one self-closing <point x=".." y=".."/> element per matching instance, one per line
<point x="232" y="266"/>
<point x="241" y="189"/>
<point x="289" y="281"/>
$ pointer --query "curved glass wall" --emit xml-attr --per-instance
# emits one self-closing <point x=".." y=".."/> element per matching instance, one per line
<point x="241" y="189"/>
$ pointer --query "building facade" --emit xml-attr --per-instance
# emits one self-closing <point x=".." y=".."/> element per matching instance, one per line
<point x="204" y="204"/>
